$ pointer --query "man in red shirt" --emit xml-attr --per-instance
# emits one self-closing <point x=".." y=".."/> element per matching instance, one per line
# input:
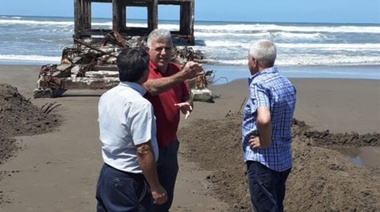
<point x="169" y="93"/>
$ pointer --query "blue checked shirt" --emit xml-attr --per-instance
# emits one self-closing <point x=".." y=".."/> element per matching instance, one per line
<point x="268" y="88"/>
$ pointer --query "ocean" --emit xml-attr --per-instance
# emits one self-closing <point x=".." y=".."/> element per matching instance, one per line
<point x="305" y="50"/>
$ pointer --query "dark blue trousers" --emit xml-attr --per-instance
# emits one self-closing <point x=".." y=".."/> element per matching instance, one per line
<point x="167" y="169"/>
<point x="266" y="187"/>
<point x="119" y="191"/>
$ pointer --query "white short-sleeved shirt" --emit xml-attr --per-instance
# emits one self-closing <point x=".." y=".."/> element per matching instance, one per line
<point x="126" y="119"/>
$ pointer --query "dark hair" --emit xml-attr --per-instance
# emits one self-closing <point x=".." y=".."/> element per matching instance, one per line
<point x="132" y="63"/>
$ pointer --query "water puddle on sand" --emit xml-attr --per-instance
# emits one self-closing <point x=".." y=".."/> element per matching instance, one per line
<point x="369" y="157"/>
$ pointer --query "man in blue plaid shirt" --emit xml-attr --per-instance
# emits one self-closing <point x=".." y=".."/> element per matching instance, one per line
<point x="266" y="128"/>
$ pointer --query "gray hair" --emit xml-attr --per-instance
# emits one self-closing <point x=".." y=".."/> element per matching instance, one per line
<point x="159" y="34"/>
<point x="264" y="51"/>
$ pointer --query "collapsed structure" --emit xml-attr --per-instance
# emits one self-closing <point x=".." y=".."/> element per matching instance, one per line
<point x="83" y="12"/>
<point x="91" y="62"/>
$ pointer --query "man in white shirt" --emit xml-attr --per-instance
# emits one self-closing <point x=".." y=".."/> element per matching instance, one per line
<point x="127" y="128"/>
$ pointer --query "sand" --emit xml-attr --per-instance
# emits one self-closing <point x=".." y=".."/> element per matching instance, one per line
<point x="58" y="170"/>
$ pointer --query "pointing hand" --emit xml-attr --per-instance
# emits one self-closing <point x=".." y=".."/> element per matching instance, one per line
<point x="185" y="108"/>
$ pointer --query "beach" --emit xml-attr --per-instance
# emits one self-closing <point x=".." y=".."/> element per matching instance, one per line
<point x="58" y="170"/>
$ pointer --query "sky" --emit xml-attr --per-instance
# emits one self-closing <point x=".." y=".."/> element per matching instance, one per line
<point x="305" y="11"/>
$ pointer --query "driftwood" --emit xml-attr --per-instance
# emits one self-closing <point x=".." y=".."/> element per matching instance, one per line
<point x="91" y="47"/>
<point x="115" y="38"/>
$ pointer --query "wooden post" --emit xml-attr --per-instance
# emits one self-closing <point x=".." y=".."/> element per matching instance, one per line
<point x="191" y="23"/>
<point x="187" y="20"/>
<point x="118" y="15"/>
<point x="87" y="14"/>
<point x="78" y="18"/>
<point x="152" y="14"/>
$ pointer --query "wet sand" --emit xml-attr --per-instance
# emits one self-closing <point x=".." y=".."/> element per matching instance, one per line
<point x="58" y="171"/>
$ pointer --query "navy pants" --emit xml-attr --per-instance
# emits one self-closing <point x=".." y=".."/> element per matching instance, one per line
<point x="167" y="169"/>
<point x="121" y="191"/>
<point x="266" y="187"/>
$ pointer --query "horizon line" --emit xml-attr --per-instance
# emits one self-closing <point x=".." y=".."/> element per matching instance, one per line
<point x="231" y="21"/>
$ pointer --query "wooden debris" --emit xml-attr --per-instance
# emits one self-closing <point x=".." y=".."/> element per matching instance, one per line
<point x="91" y="64"/>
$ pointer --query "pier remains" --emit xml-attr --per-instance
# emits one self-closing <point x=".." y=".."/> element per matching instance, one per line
<point x="91" y="62"/>
<point x="82" y="18"/>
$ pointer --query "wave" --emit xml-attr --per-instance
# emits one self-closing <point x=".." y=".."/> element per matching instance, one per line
<point x="221" y="42"/>
<point x="313" y="60"/>
<point x="296" y="35"/>
<point x="311" y="36"/>
<point x="213" y="28"/>
<point x="33" y="22"/>
<point x="282" y="60"/>
<point x="29" y="59"/>
<point x="332" y="46"/>
<point x="289" y="28"/>
<point x="306" y="46"/>
<point x="200" y="35"/>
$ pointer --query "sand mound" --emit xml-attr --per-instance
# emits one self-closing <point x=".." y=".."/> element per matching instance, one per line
<point x="321" y="179"/>
<point x="19" y="117"/>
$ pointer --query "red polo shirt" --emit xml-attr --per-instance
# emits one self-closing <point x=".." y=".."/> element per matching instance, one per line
<point x="167" y="115"/>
